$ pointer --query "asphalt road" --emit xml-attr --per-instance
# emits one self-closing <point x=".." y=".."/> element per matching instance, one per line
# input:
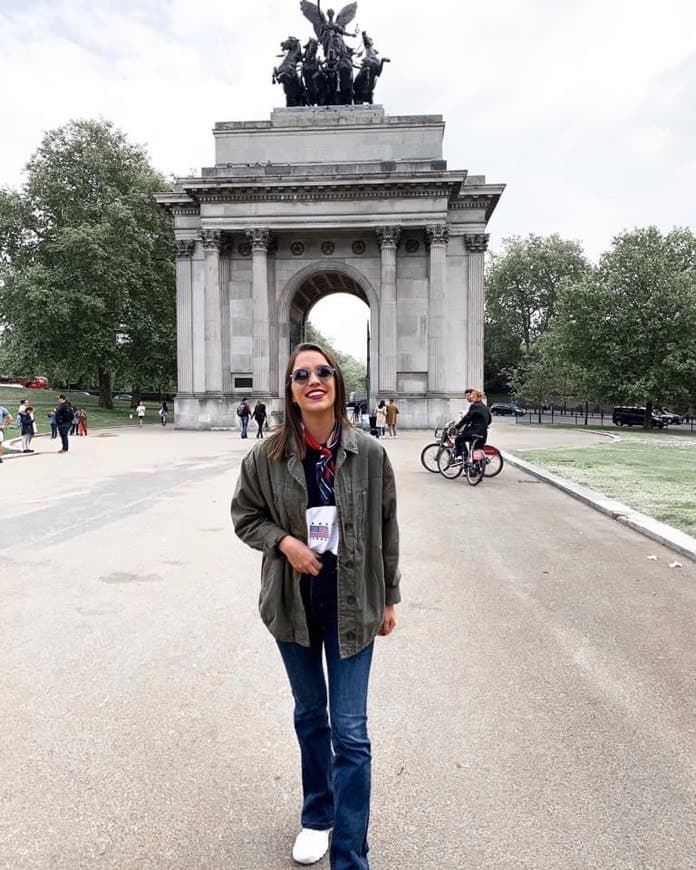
<point x="536" y="707"/>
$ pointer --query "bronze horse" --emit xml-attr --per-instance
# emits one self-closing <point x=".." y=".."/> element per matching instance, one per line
<point x="286" y="74"/>
<point x="311" y="73"/>
<point x="370" y="71"/>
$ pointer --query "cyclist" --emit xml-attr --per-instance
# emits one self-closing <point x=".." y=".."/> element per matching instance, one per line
<point x="474" y="424"/>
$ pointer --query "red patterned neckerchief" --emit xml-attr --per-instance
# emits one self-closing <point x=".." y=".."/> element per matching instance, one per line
<point x="326" y="465"/>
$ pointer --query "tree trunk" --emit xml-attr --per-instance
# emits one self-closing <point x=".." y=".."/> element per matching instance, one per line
<point x="105" y="388"/>
<point x="647" y="420"/>
<point x="587" y="410"/>
<point x="135" y="393"/>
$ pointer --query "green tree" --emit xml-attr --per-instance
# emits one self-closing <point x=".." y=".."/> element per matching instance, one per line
<point x="87" y="281"/>
<point x="631" y="323"/>
<point x="354" y="371"/>
<point x="545" y="374"/>
<point x="522" y="284"/>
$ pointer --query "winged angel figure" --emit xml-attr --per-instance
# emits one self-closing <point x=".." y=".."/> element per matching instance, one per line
<point x="330" y="32"/>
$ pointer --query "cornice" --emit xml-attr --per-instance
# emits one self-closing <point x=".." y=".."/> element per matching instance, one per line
<point x="314" y="194"/>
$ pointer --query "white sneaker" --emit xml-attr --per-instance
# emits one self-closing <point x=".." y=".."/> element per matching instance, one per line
<point x="310" y="846"/>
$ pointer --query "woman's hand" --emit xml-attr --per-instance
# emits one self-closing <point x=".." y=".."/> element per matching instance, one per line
<point x="298" y="554"/>
<point x="389" y="620"/>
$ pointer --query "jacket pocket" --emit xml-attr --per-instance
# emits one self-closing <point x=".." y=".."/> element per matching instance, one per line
<point x="271" y="589"/>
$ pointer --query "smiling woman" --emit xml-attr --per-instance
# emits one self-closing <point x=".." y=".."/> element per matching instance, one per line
<point x="319" y="499"/>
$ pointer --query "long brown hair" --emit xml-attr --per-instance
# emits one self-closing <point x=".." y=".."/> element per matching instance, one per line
<point x="290" y="437"/>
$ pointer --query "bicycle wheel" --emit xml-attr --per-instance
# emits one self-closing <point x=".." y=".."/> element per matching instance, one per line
<point x="448" y="465"/>
<point x="494" y="460"/>
<point x="475" y="471"/>
<point x="429" y="456"/>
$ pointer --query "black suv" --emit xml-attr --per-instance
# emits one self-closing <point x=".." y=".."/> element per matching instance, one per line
<point x="635" y="417"/>
<point x="507" y="408"/>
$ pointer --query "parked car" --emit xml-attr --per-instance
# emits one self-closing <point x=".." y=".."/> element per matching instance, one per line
<point x="507" y="408"/>
<point x="635" y="417"/>
<point x="670" y="417"/>
<point x="123" y="397"/>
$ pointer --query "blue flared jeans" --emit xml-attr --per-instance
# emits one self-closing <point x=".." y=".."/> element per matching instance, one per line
<point x="334" y="745"/>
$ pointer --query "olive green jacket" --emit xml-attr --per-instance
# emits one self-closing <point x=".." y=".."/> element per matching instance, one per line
<point x="270" y="502"/>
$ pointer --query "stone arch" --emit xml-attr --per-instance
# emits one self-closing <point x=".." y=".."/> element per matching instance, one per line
<point x="324" y="267"/>
<point x="318" y="277"/>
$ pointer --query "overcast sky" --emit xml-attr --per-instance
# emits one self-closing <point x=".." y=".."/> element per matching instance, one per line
<point x="585" y="109"/>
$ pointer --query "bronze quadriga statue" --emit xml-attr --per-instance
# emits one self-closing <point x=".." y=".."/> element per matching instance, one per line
<point x="311" y="78"/>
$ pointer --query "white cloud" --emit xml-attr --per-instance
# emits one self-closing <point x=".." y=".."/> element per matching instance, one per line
<point x="584" y="108"/>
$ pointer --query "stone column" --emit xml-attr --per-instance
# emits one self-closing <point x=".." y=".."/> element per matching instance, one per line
<point x="226" y="250"/>
<point x="184" y="316"/>
<point x="476" y="245"/>
<point x="212" y="242"/>
<point x="388" y="240"/>
<point x="437" y="236"/>
<point x="260" y="239"/>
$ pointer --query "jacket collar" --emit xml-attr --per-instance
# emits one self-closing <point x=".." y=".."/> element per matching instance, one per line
<point x="349" y="439"/>
<point x="349" y="444"/>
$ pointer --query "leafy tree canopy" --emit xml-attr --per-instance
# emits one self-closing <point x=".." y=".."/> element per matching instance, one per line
<point x="631" y="323"/>
<point x="87" y="280"/>
<point x="522" y="284"/>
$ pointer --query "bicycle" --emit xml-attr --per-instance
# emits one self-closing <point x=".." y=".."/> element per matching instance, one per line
<point x="431" y="451"/>
<point x="482" y="461"/>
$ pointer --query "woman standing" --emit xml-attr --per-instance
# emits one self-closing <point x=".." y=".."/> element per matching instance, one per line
<point x="259" y="414"/>
<point x="381" y="415"/>
<point x="319" y="499"/>
<point x="26" y="424"/>
<point x="164" y="413"/>
<point x="82" y="422"/>
<point x="52" y="423"/>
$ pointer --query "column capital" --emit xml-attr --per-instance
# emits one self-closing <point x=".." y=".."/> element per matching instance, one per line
<point x="476" y="242"/>
<point x="184" y="247"/>
<point x="437" y="234"/>
<point x="259" y="237"/>
<point x="388" y="235"/>
<point x="212" y="240"/>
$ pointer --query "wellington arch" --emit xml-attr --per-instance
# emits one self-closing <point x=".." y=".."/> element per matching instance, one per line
<point x="321" y="200"/>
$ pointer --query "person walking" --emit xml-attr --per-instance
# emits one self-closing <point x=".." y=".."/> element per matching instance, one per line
<point x="244" y="412"/>
<point x="381" y="418"/>
<point x="26" y="426"/>
<point x="64" y="416"/>
<point x="5" y="419"/>
<point x="140" y="414"/>
<point x="259" y="414"/>
<point x="391" y="415"/>
<point x="20" y="410"/>
<point x="319" y="499"/>
<point x="164" y="413"/>
<point x="75" y="420"/>
<point x="52" y="423"/>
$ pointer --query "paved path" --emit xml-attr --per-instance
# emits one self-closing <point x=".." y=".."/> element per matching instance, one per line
<point x="535" y="708"/>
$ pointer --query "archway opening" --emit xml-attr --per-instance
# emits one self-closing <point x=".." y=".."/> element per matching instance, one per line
<point x="336" y="306"/>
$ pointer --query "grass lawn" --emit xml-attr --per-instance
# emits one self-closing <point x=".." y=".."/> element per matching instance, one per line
<point x="654" y="472"/>
<point x="44" y="401"/>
